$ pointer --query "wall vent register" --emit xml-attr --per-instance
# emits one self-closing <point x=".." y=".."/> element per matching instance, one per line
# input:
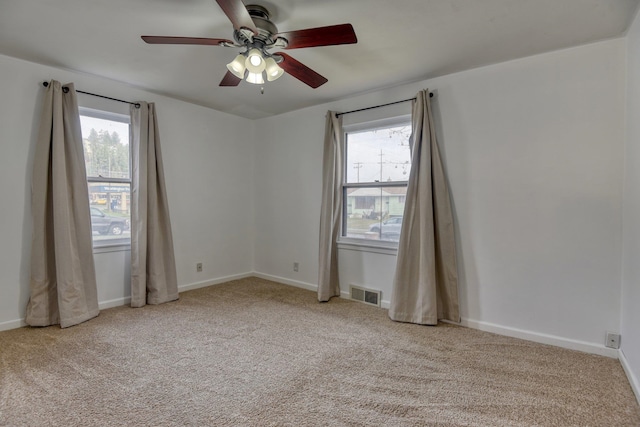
<point x="367" y="296"/>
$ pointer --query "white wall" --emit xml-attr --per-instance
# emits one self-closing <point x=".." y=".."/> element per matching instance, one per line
<point x="208" y="163"/>
<point x="533" y="151"/>
<point x="631" y="216"/>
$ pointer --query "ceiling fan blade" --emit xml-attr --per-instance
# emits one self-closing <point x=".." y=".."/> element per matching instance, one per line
<point x="237" y="14"/>
<point x="301" y="72"/>
<point x="185" y="40"/>
<point x="230" y="79"/>
<point x="321" y="36"/>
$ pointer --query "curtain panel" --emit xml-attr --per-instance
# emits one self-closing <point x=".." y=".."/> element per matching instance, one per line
<point x="62" y="279"/>
<point x="425" y="286"/>
<point x="331" y="208"/>
<point x="153" y="266"/>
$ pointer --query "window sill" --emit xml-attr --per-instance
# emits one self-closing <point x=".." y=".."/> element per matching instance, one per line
<point x="371" y="246"/>
<point x="115" y="247"/>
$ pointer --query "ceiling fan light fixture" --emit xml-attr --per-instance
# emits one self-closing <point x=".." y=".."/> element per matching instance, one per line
<point x="255" y="78"/>
<point x="274" y="72"/>
<point x="237" y="66"/>
<point x="255" y="62"/>
<point x="257" y="34"/>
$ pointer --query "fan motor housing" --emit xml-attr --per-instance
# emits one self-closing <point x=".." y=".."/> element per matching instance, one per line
<point x="266" y="28"/>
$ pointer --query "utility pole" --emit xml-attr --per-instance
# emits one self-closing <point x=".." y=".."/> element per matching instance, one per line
<point x="357" y="166"/>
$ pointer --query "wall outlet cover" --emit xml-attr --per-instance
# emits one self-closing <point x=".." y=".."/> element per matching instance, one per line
<point x="612" y="340"/>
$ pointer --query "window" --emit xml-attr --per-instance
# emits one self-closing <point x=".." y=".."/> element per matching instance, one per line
<point x="107" y="155"/>
<point x="377" y="165"/>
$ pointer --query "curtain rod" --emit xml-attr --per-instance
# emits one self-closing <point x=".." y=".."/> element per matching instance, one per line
<point x="378" y="106"/>
<point x="66" y="89"/>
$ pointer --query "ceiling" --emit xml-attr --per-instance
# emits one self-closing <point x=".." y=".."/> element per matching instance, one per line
<point x="398" y="41"/>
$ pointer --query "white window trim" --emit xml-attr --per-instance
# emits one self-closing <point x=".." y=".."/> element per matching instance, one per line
<point x="371" y="246"/>
<point x="365" y="245"/>
<point x="377" y="124"/>
<point x="105" y="115"/>
<point x="117" y="246"/>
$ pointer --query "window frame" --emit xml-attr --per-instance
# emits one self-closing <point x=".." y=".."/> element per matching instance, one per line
<point x="122" y="243"/>
<point x="388" y="247"/>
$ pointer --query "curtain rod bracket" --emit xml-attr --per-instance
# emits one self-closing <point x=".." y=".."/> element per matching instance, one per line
<point x="65" y="89"/>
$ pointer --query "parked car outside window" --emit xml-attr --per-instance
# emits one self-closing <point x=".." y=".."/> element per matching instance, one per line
<point x="388" y="229"/>
<point x="108" y="224"/>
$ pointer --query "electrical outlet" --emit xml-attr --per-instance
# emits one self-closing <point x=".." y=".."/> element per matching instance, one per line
<point x="613" y="340"/>
<point x="199" y="267"/>
<point x="296" y="266"/>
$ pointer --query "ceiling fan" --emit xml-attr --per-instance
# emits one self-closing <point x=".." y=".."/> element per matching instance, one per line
<point x="254" y="32"/>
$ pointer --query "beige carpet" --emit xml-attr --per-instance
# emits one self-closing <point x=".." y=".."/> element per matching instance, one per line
<point x="253" y="352"/>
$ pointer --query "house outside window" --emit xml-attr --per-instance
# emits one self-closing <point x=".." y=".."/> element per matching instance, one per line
<point x="107" y="153"/>
<point x="377" y="165"/>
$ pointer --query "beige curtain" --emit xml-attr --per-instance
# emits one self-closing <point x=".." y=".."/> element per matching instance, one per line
<point x="153" y="266"/>
<point x="425" y="287"/>
<point x="331" y="209"/>
<point x="63" y="280"/>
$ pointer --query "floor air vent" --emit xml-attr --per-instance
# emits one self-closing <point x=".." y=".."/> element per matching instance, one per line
<point x="366" y="296"/>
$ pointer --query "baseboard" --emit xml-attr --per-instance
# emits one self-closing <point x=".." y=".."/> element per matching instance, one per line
<point x="538" y="337"/>
<point x="285" y="281"/>
<point x="212" y="282"/>
<point x="541" y="338"/>
<point x="12" y="324"/>
<point x="557" y="341"/>
<point x="474" y="324"/>
<point x="633" y="380"/>
<point x="114" y="303"/>
<point x="182" y="288"/>
<point x="118" y="302"/>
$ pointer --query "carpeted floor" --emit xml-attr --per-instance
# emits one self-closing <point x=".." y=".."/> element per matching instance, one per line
<point x="253" y="352"/>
